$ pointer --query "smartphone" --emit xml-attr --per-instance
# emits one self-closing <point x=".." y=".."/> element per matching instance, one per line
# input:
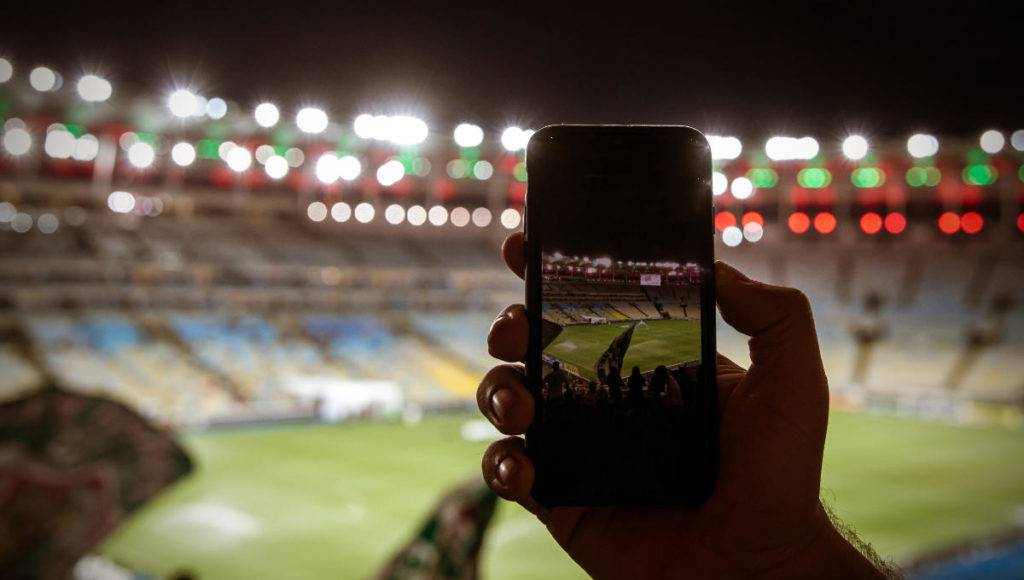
<point x="620" y="298"/>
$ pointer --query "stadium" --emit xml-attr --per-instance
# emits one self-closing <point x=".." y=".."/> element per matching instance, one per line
<point x="303" y="298"/>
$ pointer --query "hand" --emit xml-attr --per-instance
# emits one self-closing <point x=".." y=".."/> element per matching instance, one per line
<point x="764" y="517"/>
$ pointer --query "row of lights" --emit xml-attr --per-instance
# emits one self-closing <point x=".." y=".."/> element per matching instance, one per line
<point x="751" y="225"/>
<point x="416" y="215"/>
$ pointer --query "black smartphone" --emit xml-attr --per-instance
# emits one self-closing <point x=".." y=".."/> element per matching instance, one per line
<point x="620" y="297"/>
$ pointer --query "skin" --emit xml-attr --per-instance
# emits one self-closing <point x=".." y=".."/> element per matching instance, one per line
<point x="764" y="518"/>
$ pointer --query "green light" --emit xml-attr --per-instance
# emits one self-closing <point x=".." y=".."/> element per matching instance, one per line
<point x="408" y="160"/>
<point x="520" y="171"/>
<point x="1020" y="173"/>
<point x="763" y="177"/>
<point x="932" y="176"/>
<point x="980" y="174"/>
<point x="921" y="176"/>
<point x="471" y="153"/>
<point x="76" y="130"/>
<point x="814" y="177"/>
<point x="867" y="177"/>
<point x="976" y="156"/>
<point x="207" y="148"/>
<point x="148" y="138"/>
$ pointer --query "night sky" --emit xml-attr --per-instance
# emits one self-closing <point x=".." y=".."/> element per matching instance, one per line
<point x="823" y="68"/>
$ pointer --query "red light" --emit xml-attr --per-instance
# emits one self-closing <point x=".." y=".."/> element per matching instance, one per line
<point x="799" y="222"/>
<point x="871" y="223"/>
<point x="895" y="223"/>
<point x="825" y="222"/>
<point x="724" y="219"/>
<point x="752" y="216"/>
<point x="1020" y="222"/>
<point x="949" y="223"/>
<point x="972" y="222"/>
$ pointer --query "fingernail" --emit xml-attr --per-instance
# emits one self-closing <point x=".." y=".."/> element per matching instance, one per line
<point x="507" y="470"/>
<point x="501" y="402"/>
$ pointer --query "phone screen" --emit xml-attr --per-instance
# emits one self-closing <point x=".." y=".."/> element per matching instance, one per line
<point x="620" y="295"/>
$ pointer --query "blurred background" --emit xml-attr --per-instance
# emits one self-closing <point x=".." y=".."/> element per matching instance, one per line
<point x="274" y="231"/>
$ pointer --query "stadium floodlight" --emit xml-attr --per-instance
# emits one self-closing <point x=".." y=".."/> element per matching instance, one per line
<point x="364" y="213"/>
<point x="468" y="135"/>
<point x="17" y="141"/>
<point x="216" y="108"/>
<point x="1017" y="139"/>
<point x="87" y="147"/>
<point x="390" y="173"/>
<point x="316" y="211"/>
<point x="405" y="130"/>
<point x="266" y="115"/>
<point x="141" y="154"/>
<point x="855" y="147"/>
<point x="992" y="141"/>
<point x="349" y="167"/>
<point x="719" y="183"/>
<point x="276" y="167"/>
<point x="732" y="236"/>
<point x="791" y="148"/>
<point x="311" y="120"/>
<point x="481" y="217"/>
<point x="59" y="143"/>
<point x="724" y="147"/>
<point x="94" y="88"/>
<point x="394" y="214"/>
<point x="6" y="70"/>
<point x="920" y="145"/>
<point x="183" y="103"/>
<point x="239" y="159"/>
<point x="365" y="126"/>
<point x="121" y="202"/>
<point x="438" y="215"/>
<point x="327" y="170"/>
<point x="416" y="215"/>
<point x="43" y="79"/>
<point x="514" y="138"/>
<point x="460" y="217"/>
<point x="341" y="212"/>
<point x="183" y="154"/>
<point x="742" y="188"/>
<point x="510" y="218"/>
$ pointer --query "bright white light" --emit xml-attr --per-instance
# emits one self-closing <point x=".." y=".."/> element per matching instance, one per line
<point x="6" y="70"/>
<point x="341" y="212"/>
<point x="216" y="108"/>
<point x="47" y="223"/>
<point x="295" y="157"/>
<point x="408" y="130"/>
<point x="416" y="215"/>
<point x="141" y="154"/>
<point x="468" y="135"/>
<point x="183" y="154"/>
<point x="390" y="173"/>
<point x="327" y="168"/>
<point x="224" y="148"/>
<point x="21" y="223"/>
<point x="94" y="89"/>
<point x="59" y="144"/>
<point x="753" y="232"/>
<point x="1017" y="140"/>
<point x="719" y="183"/>
<point x="483" y="170"/>
<point x="364" y="213"/>
<point x="742" y="188"/>
<point x="121" y="202"/>
<point x="42" y="79"/>
<point x="365" y="126"/>
<point x="349" y="168"/>
<point x="276" y="167"/>
<point x="514" y="138"/>
<point x="239" y="159"/>
<point x="7" y="211"/>
<point x="992" y="141"/>
<point x="855" y="147"/>
<point x="724" y="147"/>
<point x="460" y="217"/>
<point x="510" y="218"/>
<point x="789" y="148"/>
<point x="266" y="114"/>
<point x="183" y="103"/>
<point x="17" y="141"/>
<point x="732" y="236"/>
<point x="264" y="152"/>
<point x="481" y="217"/>
<point x="316" y="211"/>
<point x="87" y="147"/>
<point x="394" y="214"/>
<point x="920" y="145"/>
<point x="438" y="215"/>
<point x="311" y="120"/>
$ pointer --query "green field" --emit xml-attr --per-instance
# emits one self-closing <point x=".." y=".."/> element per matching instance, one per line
<point x="333" y="501"/>
<point x="656" y="342"/>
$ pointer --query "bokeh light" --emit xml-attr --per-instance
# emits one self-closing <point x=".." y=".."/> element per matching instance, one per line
<point x="364" y="213"/>
<point x="394" y="214"/>
<point x="972" y="222"/>
<point x="341" y="212"/>
<point x="468" y="135"/>
<point x="276" y="167"/>
<point x="825" y="222"/>
<point x="871" y="223"/>
<point x="183" y="154"/>
<point x="43" y="79"/>
<point x="141" y="154"/>
<point x="992" y="141"/>
<point x="316" y="211"/>
<point x="266" y="114"/>
<point x="732" y="236"/>
<point x="94" y="89"/>
<point x="390" y="173"/>
<point x="183" y="103"/>
<point x="895" y="223"/>
<point x="510" y="218"/>
<point x="855" y="147"/>
<point x="949" y="223"/>
<point x="921" y="145"/>
<point x="311" y="120"/>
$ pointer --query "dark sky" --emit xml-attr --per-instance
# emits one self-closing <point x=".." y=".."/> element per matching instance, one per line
<point x="820" y="67"/>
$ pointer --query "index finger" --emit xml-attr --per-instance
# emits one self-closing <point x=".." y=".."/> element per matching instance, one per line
<point x="513" y="250"/>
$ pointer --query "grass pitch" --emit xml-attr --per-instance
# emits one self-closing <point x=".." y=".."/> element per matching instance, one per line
<point x="655" y="342"/>
<point x="333" y="501"/>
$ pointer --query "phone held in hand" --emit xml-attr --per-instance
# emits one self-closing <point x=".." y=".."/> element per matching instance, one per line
<point x="620" y="297"/>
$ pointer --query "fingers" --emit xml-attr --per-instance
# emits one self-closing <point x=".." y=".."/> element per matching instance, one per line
<point x="502" y="398"/>
<point x="509" y="335"/>
<point x="513" y="251"/>
<point x="509" y="472"/>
